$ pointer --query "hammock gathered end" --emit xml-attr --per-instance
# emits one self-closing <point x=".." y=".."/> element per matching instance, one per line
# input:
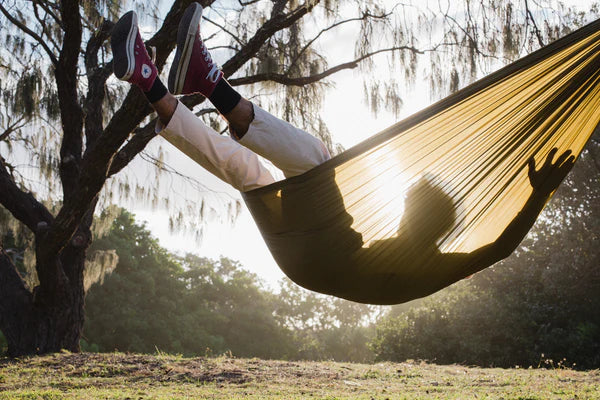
<point x="404" y="213"/>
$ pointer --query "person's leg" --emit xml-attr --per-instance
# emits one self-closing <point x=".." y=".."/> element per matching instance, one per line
<point x="220" y="155"/>
<point x="292" y="150"/>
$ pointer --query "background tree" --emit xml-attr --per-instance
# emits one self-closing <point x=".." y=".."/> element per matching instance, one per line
<point x="325" y="328"/>
<point x="81" y="128"/>
<point x="191" y="305"/>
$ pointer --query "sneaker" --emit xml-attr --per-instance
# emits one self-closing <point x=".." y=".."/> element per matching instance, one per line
<point x="131" y="61"/>
<point x="193" y="70"/>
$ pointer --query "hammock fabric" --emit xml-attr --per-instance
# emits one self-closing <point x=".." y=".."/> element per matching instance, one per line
<point x="400" y="215"/>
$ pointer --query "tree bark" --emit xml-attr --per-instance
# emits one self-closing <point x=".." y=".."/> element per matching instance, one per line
<point x="15" y="306"/>
<point x="48" y="319"/>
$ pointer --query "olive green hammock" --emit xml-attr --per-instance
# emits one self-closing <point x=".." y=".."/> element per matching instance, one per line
<point x="401" y="215"/>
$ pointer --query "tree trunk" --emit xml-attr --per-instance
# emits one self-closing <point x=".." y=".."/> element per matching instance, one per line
<point x="51" y="317"/>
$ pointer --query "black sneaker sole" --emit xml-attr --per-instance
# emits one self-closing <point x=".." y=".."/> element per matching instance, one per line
<point x="122" y="42"/>
<point x="186" y="33"/>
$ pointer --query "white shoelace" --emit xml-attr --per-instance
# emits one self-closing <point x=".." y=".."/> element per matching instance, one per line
<point x="213" y="74"/>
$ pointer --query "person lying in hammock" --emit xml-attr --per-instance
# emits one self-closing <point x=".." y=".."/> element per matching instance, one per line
<point x="256" y="132"/>
<point x="426" y="269"/>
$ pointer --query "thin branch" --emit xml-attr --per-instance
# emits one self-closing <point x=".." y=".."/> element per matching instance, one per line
<point x="335" y="25"/>
<point x="223" y="47"/>
<point x="275" y="24"/>
<point x="45" y="30"/>
<point x="537" y="31"/>
<point x="224" y="30"/>
<point x="48" y="11"/>
<point x="12" y="128"/>
<point x="247" y="3"/>
<point x="29" y="32"/>
<point x="307" y="80"/>
<point x="165" y="167"/>
<point x="206" y="111"/>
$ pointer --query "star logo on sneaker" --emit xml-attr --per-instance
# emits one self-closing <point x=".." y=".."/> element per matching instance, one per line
<point x="146" y="71"/>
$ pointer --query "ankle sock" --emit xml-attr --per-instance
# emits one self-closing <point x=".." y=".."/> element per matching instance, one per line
<point x="156" y="92"/>
<point x="224" y="97"/>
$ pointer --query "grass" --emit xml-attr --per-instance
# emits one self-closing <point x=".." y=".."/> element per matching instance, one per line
<point x="131" y="376"/>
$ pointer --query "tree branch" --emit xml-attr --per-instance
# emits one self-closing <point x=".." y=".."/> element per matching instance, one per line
<point x="273" y="25"/>
<point x="12" y="127"/>
<point x="538" y="34"/>
<point x="224" y="30"/>
<point x="247" y="3"/>
<point x="31" y="33"/>
<point x="335" y="25"/>
<point x="306" y="80"/>
<point x="45" y="30"/>
<point x="96" y="78"/>
<point x="70" y="111"/>
<point x="136" y="144"/>
<point x="23" y="206"/>
<point x="48" y="11"/>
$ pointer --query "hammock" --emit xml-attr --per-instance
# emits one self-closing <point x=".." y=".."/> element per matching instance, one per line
<point x="399" y="215"/>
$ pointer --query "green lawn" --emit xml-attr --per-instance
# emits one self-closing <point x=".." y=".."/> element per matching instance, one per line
<point x="131" y="376"/>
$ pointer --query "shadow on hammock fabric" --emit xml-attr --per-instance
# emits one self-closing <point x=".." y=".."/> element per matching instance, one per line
<point x="442" y="194"/>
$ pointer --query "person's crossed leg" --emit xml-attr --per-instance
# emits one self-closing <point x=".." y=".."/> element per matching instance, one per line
<point x="256" y="131"/>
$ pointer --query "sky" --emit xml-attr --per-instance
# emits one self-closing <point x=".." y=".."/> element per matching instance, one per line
<point x="349" y="120"/>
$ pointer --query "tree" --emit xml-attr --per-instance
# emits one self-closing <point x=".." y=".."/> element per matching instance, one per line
<point x="230" y="302"/>
<point x="141" y="307"/>
<point x="56" y="85"/>
<point x="322" y="328"/>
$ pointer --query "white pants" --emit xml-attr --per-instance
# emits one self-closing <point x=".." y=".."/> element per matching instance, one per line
<point x="290" y="149"/>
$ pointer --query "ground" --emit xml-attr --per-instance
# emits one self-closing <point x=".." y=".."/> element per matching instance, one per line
<point x="130" y="376"/>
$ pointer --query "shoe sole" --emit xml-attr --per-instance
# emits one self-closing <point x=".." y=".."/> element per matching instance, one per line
<point x="186" y="34"/>
<point x="122" y="42"/>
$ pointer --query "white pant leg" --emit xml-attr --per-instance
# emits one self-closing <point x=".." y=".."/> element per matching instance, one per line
<point x="220" y="155"/>
<point x="290" y="149"/>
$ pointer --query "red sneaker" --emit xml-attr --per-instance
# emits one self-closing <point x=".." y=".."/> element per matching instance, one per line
<point x="131" y="61"/>
<point x="193" y="70"/>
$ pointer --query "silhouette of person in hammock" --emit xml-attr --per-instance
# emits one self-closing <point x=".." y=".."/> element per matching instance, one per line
<point x="425" y="269"/>
<point x="316" y="264"/>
